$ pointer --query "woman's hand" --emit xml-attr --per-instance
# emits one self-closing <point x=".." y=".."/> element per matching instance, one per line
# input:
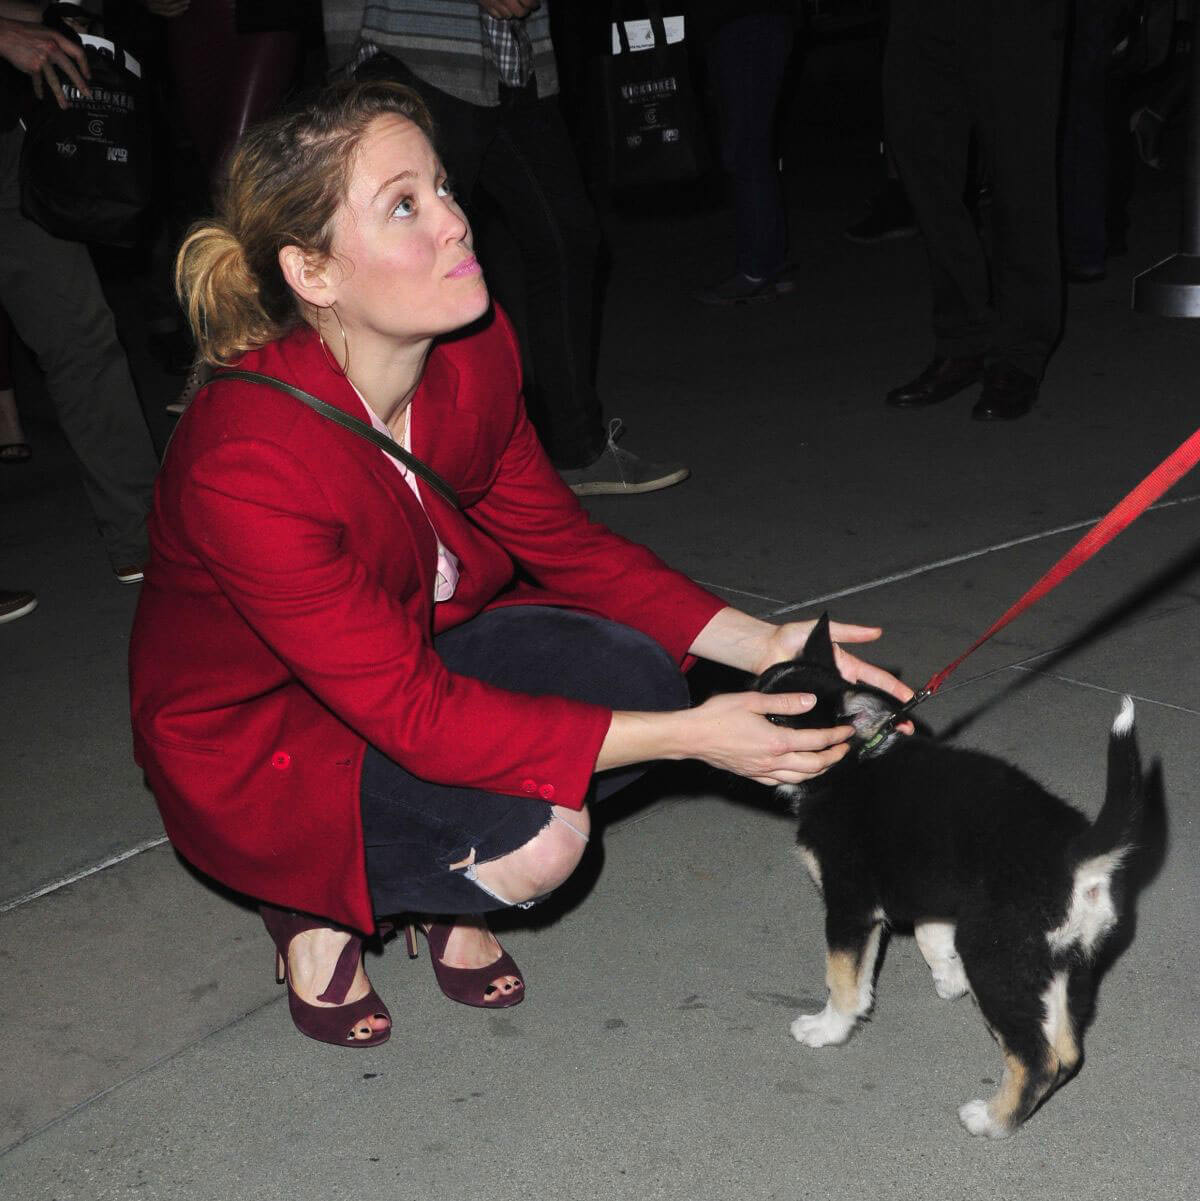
<point x="787" y="641"/>
<point x="729" y="732"/>
<point x="752" y="645"/>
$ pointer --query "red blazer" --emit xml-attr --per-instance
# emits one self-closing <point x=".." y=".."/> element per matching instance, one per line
<point x="287" y="616"/>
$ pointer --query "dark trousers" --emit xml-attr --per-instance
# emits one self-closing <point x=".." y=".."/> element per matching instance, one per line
<point x="414" y="830"/>
<point x="1086" y="187"/>
<point x="992" y="67"/>
<point x="747" y="58"/>
<point x="520" y="155"/>
<point x="53" y="297"/>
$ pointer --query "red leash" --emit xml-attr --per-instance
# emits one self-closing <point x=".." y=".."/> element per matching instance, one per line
<point x="1169" y="472"/>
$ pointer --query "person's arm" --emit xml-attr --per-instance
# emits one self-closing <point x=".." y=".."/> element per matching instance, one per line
<point x="730" y="731"/>
<point x="259" y="521"/>
<point x="40" y="53"/>
<point x="738" y="640"/>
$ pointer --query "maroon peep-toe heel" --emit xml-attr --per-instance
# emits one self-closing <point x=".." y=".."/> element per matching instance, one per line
<point x="331" y="1025"/>
<point x="467" y="985"/>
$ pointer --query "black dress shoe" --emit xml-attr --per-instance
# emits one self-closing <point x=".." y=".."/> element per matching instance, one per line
<point x="1008" y="393"/>
<point x="939" y="381"/>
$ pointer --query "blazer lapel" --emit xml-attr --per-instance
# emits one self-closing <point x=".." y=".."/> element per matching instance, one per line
<point x="444" y="436"/>
<point x="306" y="366"/>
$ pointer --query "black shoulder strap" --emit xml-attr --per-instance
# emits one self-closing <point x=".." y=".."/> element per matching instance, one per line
<point x="361" y="428"/>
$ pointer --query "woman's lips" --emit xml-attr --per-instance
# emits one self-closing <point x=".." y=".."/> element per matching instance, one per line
<point x="466" y="267"/>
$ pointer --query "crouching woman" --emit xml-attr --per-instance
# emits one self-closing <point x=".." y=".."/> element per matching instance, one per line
<point x="382" y="677"/>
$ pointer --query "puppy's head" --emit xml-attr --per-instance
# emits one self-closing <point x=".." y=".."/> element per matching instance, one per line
<point x="839" y="703"/>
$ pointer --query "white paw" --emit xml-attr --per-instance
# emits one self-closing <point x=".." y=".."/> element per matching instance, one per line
<point x="975" y="1117"/>
<point x="949" y="979"/>
<point x="823" y="1029"/>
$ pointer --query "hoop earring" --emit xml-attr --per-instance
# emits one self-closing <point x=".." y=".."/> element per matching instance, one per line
<point x="329" y="357"/>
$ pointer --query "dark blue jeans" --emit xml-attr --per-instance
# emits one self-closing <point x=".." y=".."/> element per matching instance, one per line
<point x="414" y="829"/>
<point x="747" y="58"/>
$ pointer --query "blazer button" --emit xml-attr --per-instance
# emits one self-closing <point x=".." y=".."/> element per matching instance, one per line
<point x="529" y="786"/>
<point x="281" y="760"/>
<point x="546" y="792"/>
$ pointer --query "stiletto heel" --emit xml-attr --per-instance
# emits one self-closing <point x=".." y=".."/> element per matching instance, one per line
<point x="337" y="1024"/>
<point x="467" y="985"/>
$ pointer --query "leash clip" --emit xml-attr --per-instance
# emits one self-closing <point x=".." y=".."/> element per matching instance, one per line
<point x="922" y="694"/>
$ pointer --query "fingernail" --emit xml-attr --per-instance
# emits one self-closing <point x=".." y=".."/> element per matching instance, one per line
<point x="807" y="700"/>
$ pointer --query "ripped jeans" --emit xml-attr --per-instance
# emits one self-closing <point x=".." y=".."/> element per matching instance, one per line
<point x="414" y="830"/>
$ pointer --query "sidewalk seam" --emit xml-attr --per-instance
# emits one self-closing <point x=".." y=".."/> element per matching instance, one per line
<point x="922" y="569"/>
<point x="83" y="873"/>
<point x="142" y="1071"/>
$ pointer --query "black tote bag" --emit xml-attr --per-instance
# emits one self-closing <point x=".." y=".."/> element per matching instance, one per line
<point x="85" y="170"/>
<point x="651" y="131"/>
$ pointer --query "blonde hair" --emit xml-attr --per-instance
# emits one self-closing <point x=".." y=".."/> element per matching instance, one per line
<point x="283" y="185"/>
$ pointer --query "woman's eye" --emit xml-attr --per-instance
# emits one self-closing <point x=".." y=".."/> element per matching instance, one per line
<point x="405" y="208"/>
<point x="445" y="188"/>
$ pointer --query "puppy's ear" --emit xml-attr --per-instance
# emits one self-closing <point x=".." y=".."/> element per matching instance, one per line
<point x="819" y="649"/>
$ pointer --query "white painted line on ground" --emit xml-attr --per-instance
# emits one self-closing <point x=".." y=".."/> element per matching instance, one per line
<point x="137" y="1075"/>
<point x="83" y="873"/>
<point x="771" y="600"/>
<point x="151" y="843"/>
<point x="1149" y="700"/>
<point x="898" y="576"/>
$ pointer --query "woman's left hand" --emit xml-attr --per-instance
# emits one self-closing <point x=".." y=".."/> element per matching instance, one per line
<point x="787" y="641"/>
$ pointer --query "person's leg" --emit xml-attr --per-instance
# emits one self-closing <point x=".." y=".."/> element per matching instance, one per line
<point x="53" y="297"/>
<point x="531" y="174"/>
<point x="433" y="848"/>
<point x="13" y="447"/>
<point x="1085" y="174"/>
<point x="747" y="59"/>
<point x="1020" y="49"/>
<point x="928" y="121"/>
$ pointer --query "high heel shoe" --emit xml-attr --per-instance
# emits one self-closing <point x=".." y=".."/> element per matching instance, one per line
<point x="467" y="985"/>
<point x="327" y="1025"/>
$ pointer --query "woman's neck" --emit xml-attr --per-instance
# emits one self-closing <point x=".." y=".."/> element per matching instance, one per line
<point x="387" y="376"/>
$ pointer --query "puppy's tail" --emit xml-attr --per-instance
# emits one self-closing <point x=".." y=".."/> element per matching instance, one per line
<point x="1096" y="854"/>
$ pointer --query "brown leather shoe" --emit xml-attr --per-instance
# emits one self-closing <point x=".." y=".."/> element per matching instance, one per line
<point x="942" y="379"/>
<point x="1008" y="393"/>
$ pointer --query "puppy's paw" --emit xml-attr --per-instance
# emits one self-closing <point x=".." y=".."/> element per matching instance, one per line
<point x="824" y="1029"/>
<point x="949" y="979"/>
<point x="978" y="1120"/>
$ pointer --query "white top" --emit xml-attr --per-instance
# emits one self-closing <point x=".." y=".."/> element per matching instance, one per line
<point x="447" y="561"/>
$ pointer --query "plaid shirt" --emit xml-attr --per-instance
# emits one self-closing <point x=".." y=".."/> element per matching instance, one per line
<point x="450" y="44"/>
<point x="511" y="49"/>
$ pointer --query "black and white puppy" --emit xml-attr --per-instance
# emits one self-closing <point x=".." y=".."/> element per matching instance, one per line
<point x="1010" y="891"/>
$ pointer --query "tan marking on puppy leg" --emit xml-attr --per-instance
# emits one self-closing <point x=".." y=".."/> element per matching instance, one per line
<point x="1059" y="1029"/>
<point x="811" y="865"/>
<point x="1006" y="1104"/>
<point x="841" y="977"/>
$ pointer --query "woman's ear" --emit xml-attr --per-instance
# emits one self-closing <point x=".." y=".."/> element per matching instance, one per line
<point x="307" y="275"/>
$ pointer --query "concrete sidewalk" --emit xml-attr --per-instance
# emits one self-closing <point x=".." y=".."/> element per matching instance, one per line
<point x="147" y="1052"/>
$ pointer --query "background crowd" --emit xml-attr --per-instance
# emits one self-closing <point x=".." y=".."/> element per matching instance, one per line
<point x="1009" y="133"/>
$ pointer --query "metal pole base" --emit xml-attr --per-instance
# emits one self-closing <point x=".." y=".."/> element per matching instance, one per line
<point x="1170" y="288"/>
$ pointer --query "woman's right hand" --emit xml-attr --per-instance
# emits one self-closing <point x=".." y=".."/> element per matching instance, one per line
<point x="730" y="732"/>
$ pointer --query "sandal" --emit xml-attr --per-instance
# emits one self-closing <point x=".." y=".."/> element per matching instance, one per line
<point x="15" y="452"/>
<point x="333" y="1025"/>
<point x="467" y="985"/>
